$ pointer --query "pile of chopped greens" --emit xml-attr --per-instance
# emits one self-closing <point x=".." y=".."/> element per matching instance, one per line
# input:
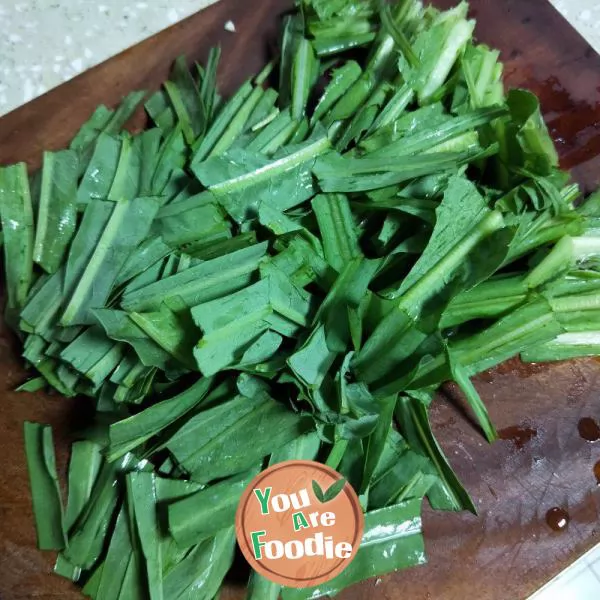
<point x="288" y="274"/>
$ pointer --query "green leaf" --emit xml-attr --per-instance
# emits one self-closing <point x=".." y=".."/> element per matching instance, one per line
<point x="448" y="493"/>
<point x="527" y="326"/>
<point x="45" y="491"/>
<point x="149" y="145"/>
<point x="401" y="474"/>
<point x="423" y="135"/>
<point x="565" y="346"/>
<point x="313" y="360"/>
<point x="395" y="31"/>
<point x="87" y="537"/>
<point x="334" y="490"/>
<point x="16" y="215"/>
<point x="208" y="88"/>
<point x="238" y="123"/>
<point x="128" y="225"/>
<point x="119" y="326"/>
<point x="95" y="219"/>
<point x="57" y="212"/>
<point x="32" y="385"/>
<point x="473" y="398"/>
<point x="347" y="293"/>
<point x="260" y="588"/>
<point x="246" y="429"/>
<point x="103" y="121"/>
<point x="86" y="460"/>
<point x="535" y="150"/>
<point x="172" y="330"/>
<point x="202" y="571"/>
<point x="305" y="447"/>
<point x="209" y="280"/>
<point x="65" y="569"/>
<point x="461" y="197"/>
<point x="391" y="540"/>
<point x="202" y="515"/>
<point x="118" y="557"/>
<point x="161" y="112"/>
<point x="376" y="441"/>
<point x="191" y="220"/>
<point x="171" y="159"/>
<point x="191" y="99"/>
<point x="305" y="70"/>
<point x="141" y="494"/>
<point x="318" y="492"/>
<point x="84" y="140"/>
<point x="338" y="230"/>
<point x="128" y="434"/>
<point x="341" y="81"/>
<point x="232" y="325"/>
<point x="101" y="170"/>
<point x="292" y="30"/>
<point x="241" y="180"/>
<point x="87" y="350"/>
<point x="224" y="118"/>
<point x="438" y="47"/>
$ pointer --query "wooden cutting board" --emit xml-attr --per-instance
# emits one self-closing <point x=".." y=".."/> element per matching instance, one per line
<point x="506" y="552"/>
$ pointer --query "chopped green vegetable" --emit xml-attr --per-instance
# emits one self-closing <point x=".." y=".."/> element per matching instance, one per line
<point x="16" y="214"/>
<point x="45" y="492"/>
<point x="288" y="274"/>
<point x="392" y="540"/>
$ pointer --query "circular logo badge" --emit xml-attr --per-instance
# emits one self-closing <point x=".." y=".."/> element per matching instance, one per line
<point x="299" y="523"/>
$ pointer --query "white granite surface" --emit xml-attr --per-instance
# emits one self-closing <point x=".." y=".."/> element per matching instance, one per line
<point x="46" y="42"/>
<point x="584" y="15"/>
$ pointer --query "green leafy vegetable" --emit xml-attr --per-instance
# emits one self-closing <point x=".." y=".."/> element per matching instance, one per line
<point x="16" y="214"/>
<point x="290" y="273"/>
<point x="392" y="540"/>
<point x="45" y="492"/>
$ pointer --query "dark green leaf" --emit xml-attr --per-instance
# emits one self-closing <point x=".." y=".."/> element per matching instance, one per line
<point x="203" y="514"/>
<point x="392" y="540"/>
<point x="16" y="215"/>
<point x="57" y="211"/>
<point x="45" y="492"/>
<point x="318" y="492"/>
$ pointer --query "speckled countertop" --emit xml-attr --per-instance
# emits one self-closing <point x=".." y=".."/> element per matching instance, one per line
<point x="46" y="42"/>
<point x="584" y="15"/>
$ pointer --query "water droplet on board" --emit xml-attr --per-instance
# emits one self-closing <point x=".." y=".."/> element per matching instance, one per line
<point x="557" y="519"/>
<point x="589" y="429"/>
<point x="519" y="436"/>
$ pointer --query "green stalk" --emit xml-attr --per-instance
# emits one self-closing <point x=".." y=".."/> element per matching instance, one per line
<point x="337" y="453"/>
<point x="304" y="69"/>
<point x="16" y="213"/>
<point x="237" y="124"/>
<point x="567" y="252"/>
<point x="394" y="108"/>
<point x="204" y="145"/>
<point x="102" y="249"/>
<point x="566" y="346"/>
<point x="273" y="169"/>
<point x="413" y="300"/>
<point x="342" y="80"/>
<point x="574" y="304"/>
<point x="329" y="46"/>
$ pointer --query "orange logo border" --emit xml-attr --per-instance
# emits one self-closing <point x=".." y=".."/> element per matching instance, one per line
<point x="243" y="534"/>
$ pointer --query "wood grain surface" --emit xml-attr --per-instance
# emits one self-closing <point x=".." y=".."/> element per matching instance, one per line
<point x="507" y="551"/>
